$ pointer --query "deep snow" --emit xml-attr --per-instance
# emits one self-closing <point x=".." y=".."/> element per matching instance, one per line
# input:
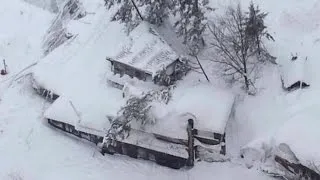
<point x="32" y="150"/>
<point x="29" y="148"/>
<point x="273" y="116"/>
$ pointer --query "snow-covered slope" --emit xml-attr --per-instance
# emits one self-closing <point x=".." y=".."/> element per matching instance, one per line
<point x="31" y="150"/>
<point x="274" y="116"/>
<point x="20" y="36"/>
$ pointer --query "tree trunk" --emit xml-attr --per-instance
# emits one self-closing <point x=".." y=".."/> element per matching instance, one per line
<point x="245" y="76"/>
<point x="135" y="6"/>
<point x="258" y="44"/>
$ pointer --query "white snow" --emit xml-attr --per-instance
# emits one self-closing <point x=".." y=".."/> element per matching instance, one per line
<point x="85" y="86"/>
<point x="301" y="133"/>
<point x="31" y="150"/>
<point x="66" y="112"/>
<point x="294" y="71"/>
<point x="274" y="117"/>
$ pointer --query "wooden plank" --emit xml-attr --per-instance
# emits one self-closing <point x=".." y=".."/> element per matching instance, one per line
<point x="190" y="161"/>
<point x="297" y="169"/>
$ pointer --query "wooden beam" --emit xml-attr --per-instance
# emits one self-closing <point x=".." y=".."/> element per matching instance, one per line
<point x="205" y="74"/>
<point x="190" y="161"/>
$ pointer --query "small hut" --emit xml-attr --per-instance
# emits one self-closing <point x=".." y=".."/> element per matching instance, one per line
<point x="145" y="55"/>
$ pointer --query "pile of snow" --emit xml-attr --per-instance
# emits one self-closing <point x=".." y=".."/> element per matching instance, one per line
<point x="77" y="69"/>
<point x="294" y="71"/>
<point x="275" y="117"/>
<point x="20" y="35"/>
<point x="301" y="134"/>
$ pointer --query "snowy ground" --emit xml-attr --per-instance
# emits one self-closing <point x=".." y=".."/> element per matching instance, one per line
<point x="273" y="116"/>
<point x="31" y="150"/>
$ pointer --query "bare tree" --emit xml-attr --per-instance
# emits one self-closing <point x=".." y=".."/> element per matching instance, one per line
<point x="232" y="46"/>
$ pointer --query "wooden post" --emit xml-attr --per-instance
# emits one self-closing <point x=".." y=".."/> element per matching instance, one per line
<point x="190" y="161"/>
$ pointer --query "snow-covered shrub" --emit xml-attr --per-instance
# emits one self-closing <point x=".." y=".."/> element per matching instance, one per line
<point x="162" y="78"/>
<point x="180" y="70"/>
<point x="135" y="110"/>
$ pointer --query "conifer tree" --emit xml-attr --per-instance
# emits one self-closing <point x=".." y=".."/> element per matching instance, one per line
<point x="190" y="15"/>
<point x="255" y="28"/>
<point x="191" y="22"/>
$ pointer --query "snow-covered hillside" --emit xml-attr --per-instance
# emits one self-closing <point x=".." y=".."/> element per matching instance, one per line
<point x="30" y="149"/>
<point x="274" y="116"/>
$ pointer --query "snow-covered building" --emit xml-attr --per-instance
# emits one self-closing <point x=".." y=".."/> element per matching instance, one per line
<point x="294" y="74"/>
<point x="145" y="55"/>
<point x="182" y="130"/>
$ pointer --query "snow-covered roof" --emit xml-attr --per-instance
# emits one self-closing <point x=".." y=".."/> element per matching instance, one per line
<point x="208" y="106"/>
<point x="85" y="117"/>
<point x="294" y="71"/>
<point x="146" y="50"/>
<point x="62" y="110"/>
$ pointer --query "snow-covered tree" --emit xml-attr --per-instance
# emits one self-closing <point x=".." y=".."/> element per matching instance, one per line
<point x="190" y="15"/>
<point x="191" y="22"/>
<point x="125" y="14"/>
<point x="234" y="37"/>
<point x="157" y="10"/>
<point x="57" y="33"/>
<point x="154" y="11"/>
<point x="232" y="46"/>
<point x="256" y="30"/>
